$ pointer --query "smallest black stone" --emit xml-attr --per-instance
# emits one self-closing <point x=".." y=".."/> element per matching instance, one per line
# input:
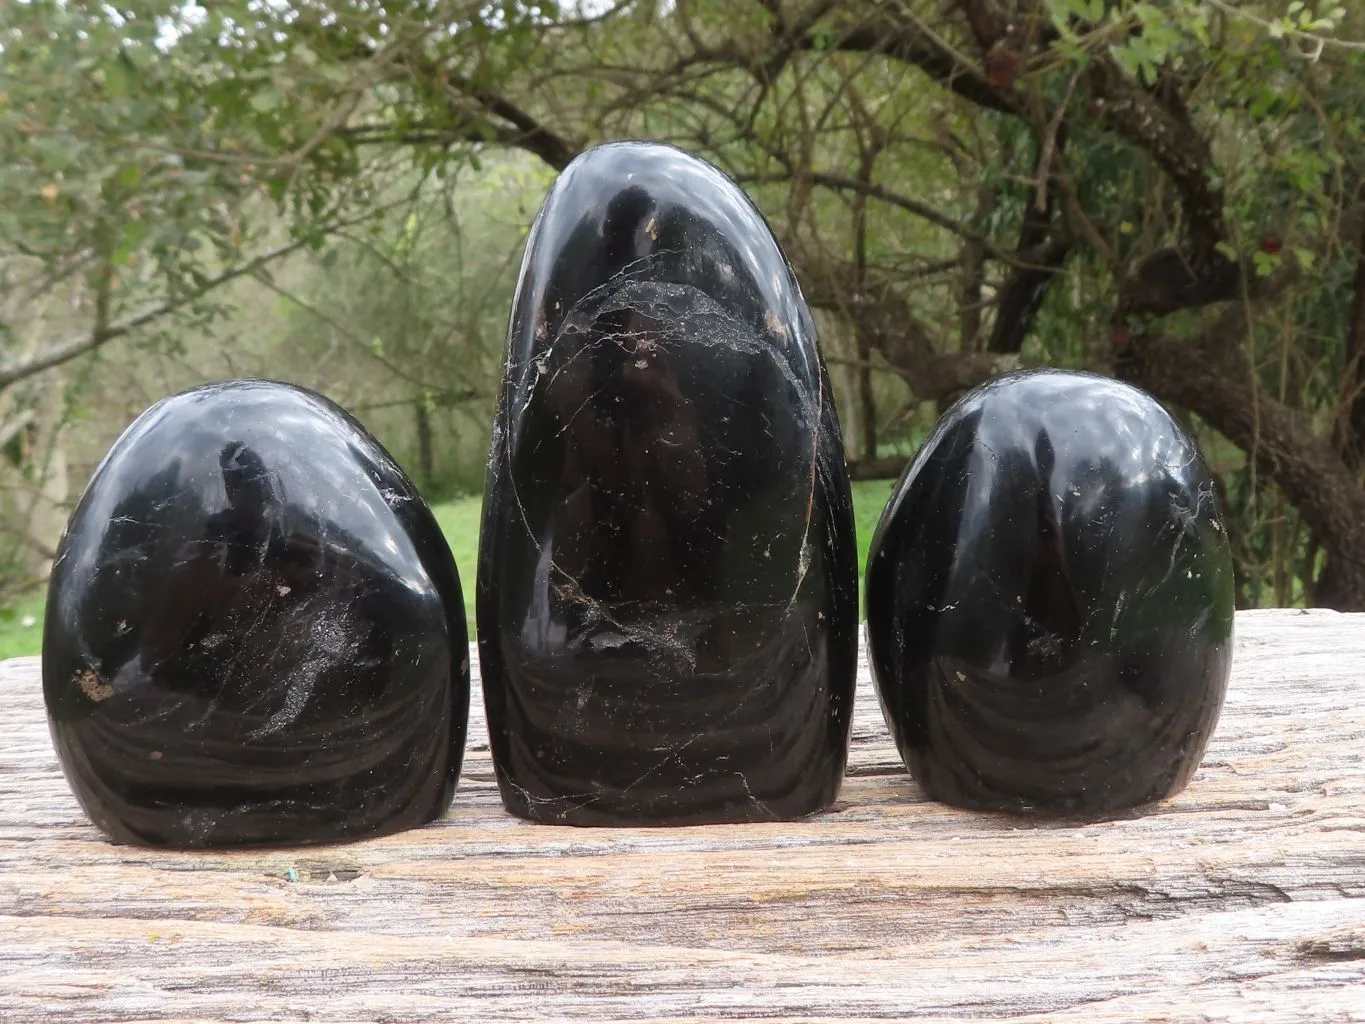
<point x="255" y="633"/>
<point x="1050" y="600"/>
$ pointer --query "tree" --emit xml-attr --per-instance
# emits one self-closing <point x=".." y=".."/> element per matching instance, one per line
<point x="1168" y="191"/>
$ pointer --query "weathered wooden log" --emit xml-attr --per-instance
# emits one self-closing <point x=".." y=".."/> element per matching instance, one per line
<point x="1243" y="898"/>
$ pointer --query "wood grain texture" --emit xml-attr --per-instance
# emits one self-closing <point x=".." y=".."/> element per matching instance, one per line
<point x="1242" y="899"/>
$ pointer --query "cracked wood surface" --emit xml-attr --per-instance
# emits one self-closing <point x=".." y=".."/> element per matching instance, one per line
<point x="1243" y="898"/>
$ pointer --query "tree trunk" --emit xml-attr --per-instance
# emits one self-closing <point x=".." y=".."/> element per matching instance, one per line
<point x="1350" y="431"/>
<point x="1039" y="258"/>
<point x="426" y="457"/>
<point x="867" y="402"/>
<point x="972" y="275"/>
<point x="1213" y="381"/>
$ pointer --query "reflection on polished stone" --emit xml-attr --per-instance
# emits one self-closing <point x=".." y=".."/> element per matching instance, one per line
<point x="667" y="588"/>
<point x="1050" y="600"/>
<point x="255" y="633"/>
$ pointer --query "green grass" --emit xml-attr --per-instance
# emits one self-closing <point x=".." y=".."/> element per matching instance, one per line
<point x="459" y="521"/>
<point x="21" y="628"/>
<point x="869" y="496"/>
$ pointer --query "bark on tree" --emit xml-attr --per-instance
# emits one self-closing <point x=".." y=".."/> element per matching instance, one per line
<point x="1210" y="377"/>
<point x="1350" y="428"/>
<point x="426" y="456"/>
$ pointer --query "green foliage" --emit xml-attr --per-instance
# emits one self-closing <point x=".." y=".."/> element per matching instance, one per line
<point x="869" y="499"/>
<point x="21" y="627"/>
<point x="460" y="520"/>
<point x="98" y="140"/>
<point x="423" y="301"/>
<point x="148" y="146"/>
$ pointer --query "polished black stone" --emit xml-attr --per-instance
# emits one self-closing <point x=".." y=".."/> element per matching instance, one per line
<point x="667" y="591"/>
<point x="255" y="633"/>
<point x="1050" y="600"/>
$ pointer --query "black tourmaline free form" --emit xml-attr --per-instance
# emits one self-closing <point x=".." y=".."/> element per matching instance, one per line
<point x="1050" y="600"/>
<point x="255" y="633"/>
<point x="667" y="588"/>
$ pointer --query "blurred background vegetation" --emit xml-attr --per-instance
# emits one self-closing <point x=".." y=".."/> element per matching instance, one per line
<point x="336" y="193"/>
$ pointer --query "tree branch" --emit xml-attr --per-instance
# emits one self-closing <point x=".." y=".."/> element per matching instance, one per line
<point x="988" y="22"/>
<point x="1037" y="258"/>
<point x="104" y="333"/>
<point x="1173" y="144"/>
<point x="842" y="183"/>
<point x="912" y="43"/>
<point x="520" y="129"/>
<point x="526" y="132"/>
<point x="886" y="323"/>
<point x="1210" y="377"/>
<point x="1350" y="427"/>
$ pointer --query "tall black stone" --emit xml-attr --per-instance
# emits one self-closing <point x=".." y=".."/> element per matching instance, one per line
<point x="1050" y="600"/>
<point x="255" y="633"/>
<point x="667" y="593"/>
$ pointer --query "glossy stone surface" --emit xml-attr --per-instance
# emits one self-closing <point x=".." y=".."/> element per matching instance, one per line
<point x="1050" y="600"/>
<point x="255" y="633"/>
<point x="667" y="591"/>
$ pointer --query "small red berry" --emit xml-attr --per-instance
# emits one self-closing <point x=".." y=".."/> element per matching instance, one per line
<point x="1271" y="244"/>
<point x="1121" y="336"/>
